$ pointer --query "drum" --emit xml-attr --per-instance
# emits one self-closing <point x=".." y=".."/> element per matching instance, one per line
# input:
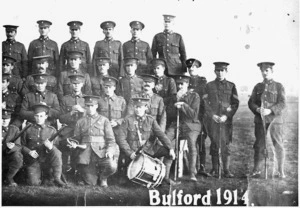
<point x="146" y="171"/>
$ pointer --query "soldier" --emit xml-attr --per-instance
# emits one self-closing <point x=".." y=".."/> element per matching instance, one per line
<point x="197" y="84"/>
<point x="12" y="160"/>
<point x="98" y="148"/>
<point x="102" y="64"/>
<point x="136" y="48"/>
<point x="15" y="49"/>
<point x="44" y="46"/>
<point x="75" y="44"/>
<point x="147" y="126"/>
<point x="11" y="101"/>
<point x="187" y="103"/>
<point x="130" y="84"/>
<point x="41" y="94"/>
<point x="72" y="109"/>
<point x="268" y="100"/>
<point x="64" y="84"/>
<point x="221" y="103"/>
<point x="42" y="65"/>
<point x="16" y="83"/>
<point x="40" y="154"/>
<point x="170" y="46"/>
<point x="110" y="48"/>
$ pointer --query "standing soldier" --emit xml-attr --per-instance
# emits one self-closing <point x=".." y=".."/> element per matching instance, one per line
<point x="12" y="159"/>
<point x="102" y="67"/>
<point x="11" y="101"/>
<point x="40" y="154"/>
<point x="187" y="103"/>
<point x="72" y="109"/>
<point x="64" y="84"/>
<point x="44" y="46"/>
<point x="197" y="84"/>
<point x="110" y="48"/>
<point x="130" y="84"/>
<point x="97" y="145"/>
<point x="170" y="46"/>
<point x="75" y="44"/>
<point x="268" y="101"/>
<point x="42" y="64"/>
<point x="40" y="95"/>
<point x="16" y="83"/>
<point x="15" y="49"/>
<point x="221" y="103"/>
<point x="136" y="48"/>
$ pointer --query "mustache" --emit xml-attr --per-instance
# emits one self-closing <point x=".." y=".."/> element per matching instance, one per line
<point x="146" y="85"/>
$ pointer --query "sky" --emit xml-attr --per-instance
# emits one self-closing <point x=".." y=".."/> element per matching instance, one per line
<point x="240" y="32"/>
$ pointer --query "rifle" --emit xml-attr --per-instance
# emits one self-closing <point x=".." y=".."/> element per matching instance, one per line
<point x="265" y="137"/>
<point x="109" y="110"/>
<point x="139" y="150"/>
<point x="176" y="145"/>
<point x="16" y="137"/>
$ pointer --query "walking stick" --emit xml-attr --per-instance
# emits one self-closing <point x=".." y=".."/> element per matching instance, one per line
<point x="220" y="163"/>
<point x="176" y="146"/>
<point x="265" y="138"/>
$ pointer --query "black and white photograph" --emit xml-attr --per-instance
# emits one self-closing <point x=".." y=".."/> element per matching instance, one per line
<point x="150" y="103"/>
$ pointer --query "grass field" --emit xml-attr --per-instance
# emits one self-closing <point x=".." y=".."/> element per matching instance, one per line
<point x="260" y="191"/>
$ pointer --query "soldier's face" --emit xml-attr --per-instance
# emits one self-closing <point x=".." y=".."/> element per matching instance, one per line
<point x="91" y="109"/>
<point x="182" y="86"/>
<point x="266" y="72"/>
<point x="148" y="86"/>
<point x="7" y="68"/>
<point x="130" y="69"/>
<point x="221" y="74"/>
<point x="40" y="117"/>
<point x="103" y="68"/>
<point x="77" y="87"/>
<point x="193" y="70"/>
<point x="75" y="33"/>
<point x="74" y="63"/>
<point x="108" y="32"/>
<point x="169" y="25"/>
<point x="5" y="84"/>
<point x="136" y="33"/>
<point x="140" y="110"/>
<point x="40" y="86"/>
<point x="5" y="122"/>
<point x="44" y="31"/>
<point x="42" y="67"/>
<point x="11" y="35"/>
<point x="109" y="90"/>
<point x="159" y="70"/>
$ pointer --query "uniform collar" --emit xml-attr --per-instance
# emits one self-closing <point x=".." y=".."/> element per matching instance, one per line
<point x="42" y="38"/>
<point x="10" y="41"/>
<point x="73" y="40"/>
<point x="5" y="93"/>
<point x="108" y="39"/>
<point x="93" y="116"/>
<point x="135" y="40"/>
<point x="41" y="93"/>
<point x="146" y="95"/>
<point x="40" y="126"/>
<point x="162" y="77"/>
<point x="131" y="77"/>
<point x="270" y="81"/>
<point x="219" y="81"/>
<point x="74" y="95"/>
<point x="168" y="32"/>
<point x="140" y="118"/>
<point x="113" y="97"/>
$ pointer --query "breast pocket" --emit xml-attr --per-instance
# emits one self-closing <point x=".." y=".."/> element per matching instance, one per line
<point x="98" y="129"/>
<point x="67" y="88"/>
<point x="49" y="51"/>
<point x="174" y="48"/>
<point x="272" y="96"/>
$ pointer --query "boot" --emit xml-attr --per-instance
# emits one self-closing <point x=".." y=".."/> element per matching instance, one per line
<point x="281" y="169"/>
<point x="227" y="173"/>
<point x="57" y="177"/>
<point x="256" y="170"/>
<point x="167" y="180"/>
<point x="203" y="172"/>
<point x="192" y="167"/>
<point x="214" y="171"/>
<point x="10" y="175"/>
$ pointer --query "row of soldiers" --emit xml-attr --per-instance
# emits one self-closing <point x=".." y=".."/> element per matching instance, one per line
<point x="167" y="44"/>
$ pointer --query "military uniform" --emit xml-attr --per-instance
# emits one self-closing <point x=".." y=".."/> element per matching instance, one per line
<point x="44" y="46"/>
<point x="12" y="160"/>
<point x="170" y="46"/>
<point x="16" y="50"/>
<point x="13" y="102"/>
<point x="112" y="49"/>
<point x="96" y="133"/>
<point x="29" y="85"/>
<point x="97" y="85"/>
<point x="166" y="87"/>
<point x="74" y="45"/>
<point x="271" y="95"/>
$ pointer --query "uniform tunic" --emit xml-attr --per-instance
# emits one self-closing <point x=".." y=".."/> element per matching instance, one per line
<point x="129" y="86"/>
<point x="16" y="84"/>
<point x="13" y="102"/>
<point x="29" y="85"/>
<point x="97" y="85"/>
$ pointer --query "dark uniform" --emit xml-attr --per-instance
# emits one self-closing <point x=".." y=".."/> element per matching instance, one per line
<point x="16" y="50"/>
<point x="270" y="95"/>
<point x="170" y="46"/>
<point x="189" y="126"/>
<point x="33" y="139"/>
<point x="96" y="133"/>
<point x="32" y="98"/>
<point x="44" y="46"/>
<point x="75" y="45"/>
<point x="136" y="48"/>
<point x="112" y="49"/>
<point x="29" y="85"/>
<point x="12" y="159"/>
<point x="220" y="99"/>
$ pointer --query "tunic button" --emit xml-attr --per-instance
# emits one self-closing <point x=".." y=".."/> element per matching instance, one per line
<point x="38" y="143"/>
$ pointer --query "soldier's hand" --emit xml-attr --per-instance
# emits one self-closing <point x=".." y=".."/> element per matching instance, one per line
<point x="48" y="144"/>
<point x="158" y="87"/>
<point x="3" y="105"/>
<point x="113" y="123"/>
<point x="10" y="145"/>
<point x="178" y="104"/>
<point x="78" y="108"/>
<point x="132" y="156"/>
<point x="216" y="118"/>
<point x="172" y="154"/>
<point x="109" y="155"/>
<point x="223" y="119"/>
<point x="72" y="144"/>
<point x="266" y="112"/>
<point x="33" y="154"/>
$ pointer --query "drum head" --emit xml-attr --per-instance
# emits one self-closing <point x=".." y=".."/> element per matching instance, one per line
<point x="135" y="166"/>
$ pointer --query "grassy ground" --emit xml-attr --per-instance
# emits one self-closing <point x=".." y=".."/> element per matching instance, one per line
<point x="260" y="191"/>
